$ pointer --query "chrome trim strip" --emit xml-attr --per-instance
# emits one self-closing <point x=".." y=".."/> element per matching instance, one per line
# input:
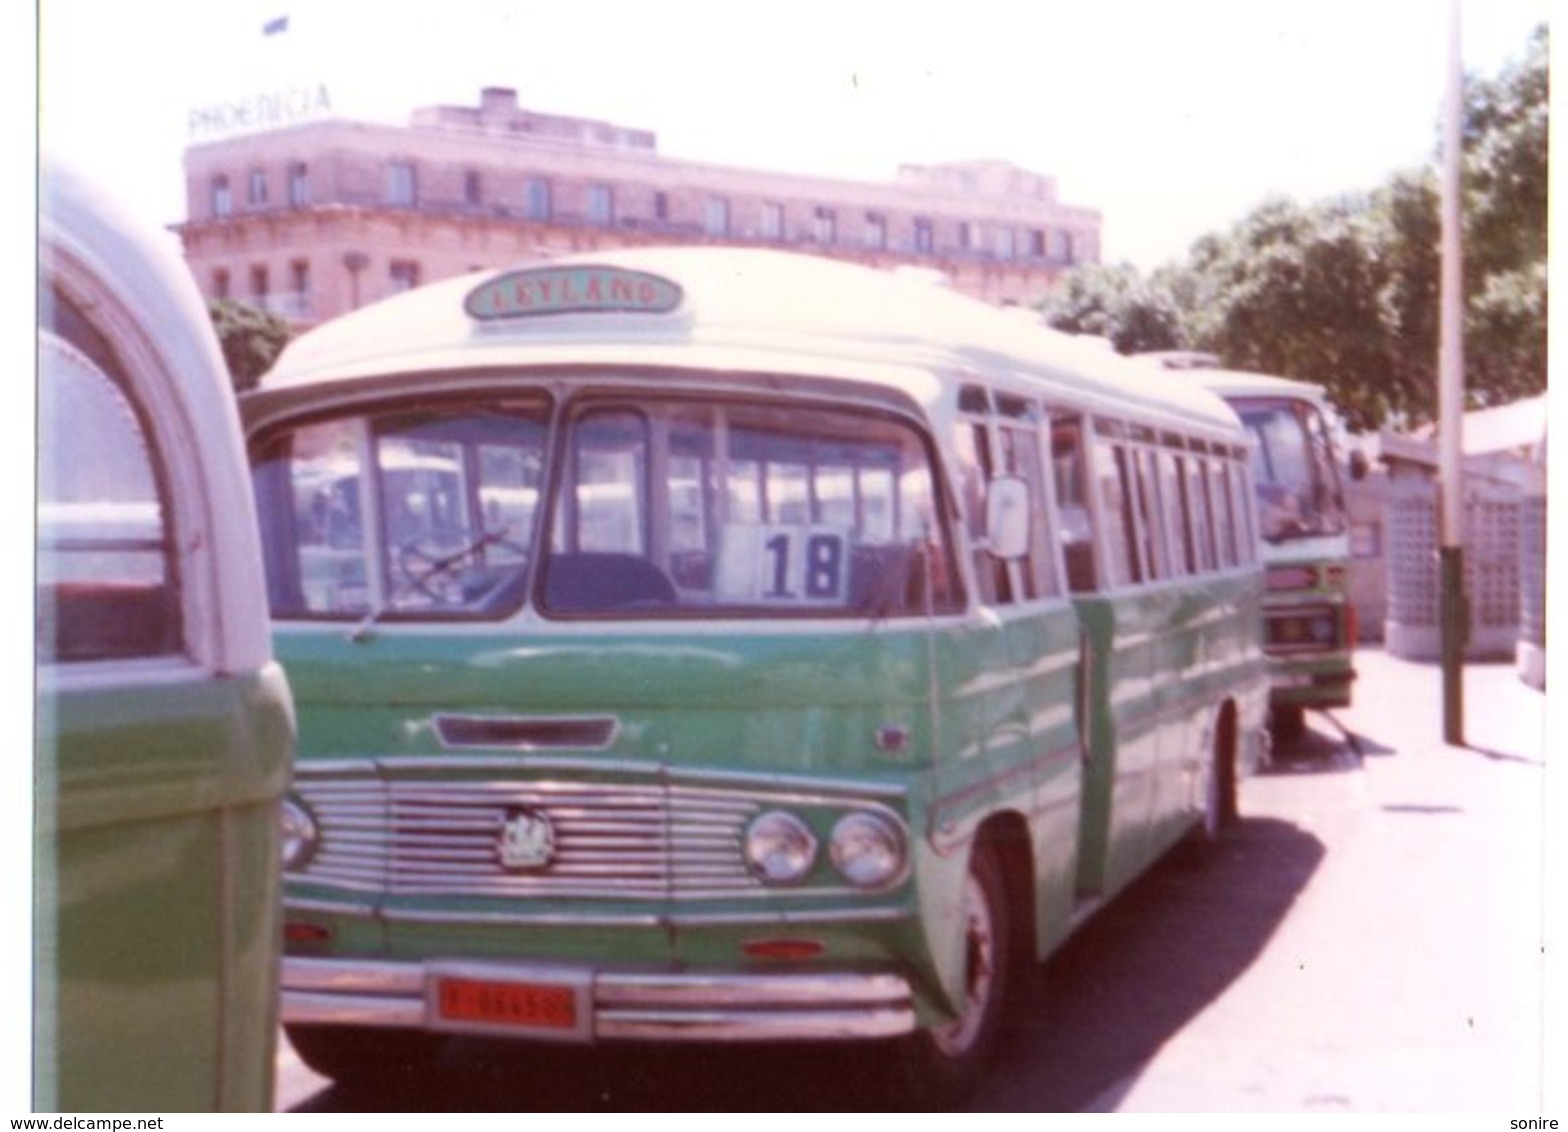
<point x="756" y="1026"/>
<point x="351" y="1010"/>
<point x="650" y="920"/>
<point x="659" y="772"/>
<point x="326" y="908"/>
<point x="701" y="992"/>
<point x="362" y="976"/>
<point x="624" y="1005"/>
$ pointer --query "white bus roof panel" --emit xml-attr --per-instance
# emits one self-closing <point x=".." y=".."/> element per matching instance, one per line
<point x="737" y="310"/>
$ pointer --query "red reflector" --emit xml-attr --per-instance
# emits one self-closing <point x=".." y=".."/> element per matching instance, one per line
<point x="305" y="933"/>
<point x="783" y="949"/>
<point x="1352" y="626"/>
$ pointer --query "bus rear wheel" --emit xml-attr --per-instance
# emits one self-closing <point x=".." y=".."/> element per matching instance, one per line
<point x="353" y="1054"/>
<point x="942" y="1064"/>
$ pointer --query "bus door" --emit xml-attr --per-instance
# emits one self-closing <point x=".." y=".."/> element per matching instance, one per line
<point x="1120" y="626"/>
<point x="1026" y="716"/>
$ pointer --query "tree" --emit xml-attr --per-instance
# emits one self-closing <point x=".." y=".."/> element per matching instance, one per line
<point x="1298" y="291"/>
<point x="1345" y="292"/>
<point x="251" y="339"/>
<point x="1115" y="303"/>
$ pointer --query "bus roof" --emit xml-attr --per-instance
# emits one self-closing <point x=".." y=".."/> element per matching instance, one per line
<point x="724" y="310"/>
<point x="1205" y="370"/>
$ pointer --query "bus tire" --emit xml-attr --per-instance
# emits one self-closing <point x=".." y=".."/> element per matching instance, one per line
<point x="943" y="1064"/>
<point x="1219" y="810"/>
<point x="353" y="1054"/>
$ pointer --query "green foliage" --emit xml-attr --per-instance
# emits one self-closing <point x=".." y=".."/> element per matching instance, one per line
<point x="1116" y="304"/>
<point x="251" y="339"/>
<point x="1346" y="292"/>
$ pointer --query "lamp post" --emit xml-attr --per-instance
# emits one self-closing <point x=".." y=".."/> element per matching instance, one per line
<point x="1453" y="615"/>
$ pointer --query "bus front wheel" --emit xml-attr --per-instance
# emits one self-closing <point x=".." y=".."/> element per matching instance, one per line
<point x="944" y="1063"/>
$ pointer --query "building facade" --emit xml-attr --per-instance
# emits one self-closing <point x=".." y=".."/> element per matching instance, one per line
<point x="314" y="219"/>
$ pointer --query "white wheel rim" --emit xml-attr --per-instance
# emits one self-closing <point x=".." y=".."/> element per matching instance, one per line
<point x="956" y="1037"/>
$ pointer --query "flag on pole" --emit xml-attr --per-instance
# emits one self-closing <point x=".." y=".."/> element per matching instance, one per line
<point x="276" y="27"/>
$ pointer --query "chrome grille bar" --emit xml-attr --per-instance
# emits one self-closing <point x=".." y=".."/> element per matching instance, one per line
<point x="624" y="841"/>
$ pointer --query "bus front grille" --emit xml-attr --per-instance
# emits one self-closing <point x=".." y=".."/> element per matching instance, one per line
<point x="592" y="841"/>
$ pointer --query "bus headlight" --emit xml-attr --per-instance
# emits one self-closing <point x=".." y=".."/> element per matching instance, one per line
<point x="867" y="849"/>
<point x="299" y="833"/>
<point x="779" y="848"/>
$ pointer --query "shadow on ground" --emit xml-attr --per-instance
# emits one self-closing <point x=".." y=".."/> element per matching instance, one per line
<point x="1081" y="1025"/>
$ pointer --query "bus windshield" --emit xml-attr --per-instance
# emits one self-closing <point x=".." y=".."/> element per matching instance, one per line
<point x="1293" y="465"/>
<point x="654" y="507"/>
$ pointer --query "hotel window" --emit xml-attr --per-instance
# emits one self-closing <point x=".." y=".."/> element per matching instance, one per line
<point x="827" y="226"/>
<point x="538" y="199"/>
<point x="772" y="221"/>
<point x="1005" y="244"/>
<point x="299" y="185"/>
<point x="1062" y="246"/>
<point x="402" y="187"/>
<point x="472" y="194"/>
<point x="925" y="242"/>
<point x="601" y="205"/>
<point x="259" y="283"/>
<point x="1037" y="243"/>
<point x="661" y="207"/>
<point x="876" y="230"/>
<point x="220" y="283"/>
<point x="404" y="274"/>
<point x="258" y="188"/>
<point x="718" y="216"/>
<point x="222" y="201"/>
<point x="966" y="236"/>
<point x="299" y="277"/>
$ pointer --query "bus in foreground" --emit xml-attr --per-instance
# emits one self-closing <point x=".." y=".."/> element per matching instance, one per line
<point x="164" y="727"/>
<point x="1310" y="619"/>
<point x="699" y="645"/>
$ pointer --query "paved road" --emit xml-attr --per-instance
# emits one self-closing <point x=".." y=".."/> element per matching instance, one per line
<point x="1368" y="940"/>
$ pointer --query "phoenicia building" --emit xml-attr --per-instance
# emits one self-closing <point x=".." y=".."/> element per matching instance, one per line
<point x="313" y="218"/>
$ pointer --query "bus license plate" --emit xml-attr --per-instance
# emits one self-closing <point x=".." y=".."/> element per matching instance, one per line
<point x="520" y="1006"/>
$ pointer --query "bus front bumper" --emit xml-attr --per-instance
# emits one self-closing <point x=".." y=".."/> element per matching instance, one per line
<point x="575" y="1003"/>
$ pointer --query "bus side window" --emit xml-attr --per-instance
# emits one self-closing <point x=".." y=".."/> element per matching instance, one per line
<point x="1151" y="519"/>
<point x="1121" y="542"/>
<point x="1021" y="456"/>
<point x="1198" y="499"/>
<point x="1178" y="515"/>
<point x="975" y="469"/>
<point x="107" y="587"/>
<point x="1224" y="526"/>
<point x="1072" y="504"/>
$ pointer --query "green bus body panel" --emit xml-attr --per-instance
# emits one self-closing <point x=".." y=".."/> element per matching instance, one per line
<point x="798" y="704"/>
<point x="147" y="789"/>
<point x="989" y="704"/>
<point x="1161" y="661"/>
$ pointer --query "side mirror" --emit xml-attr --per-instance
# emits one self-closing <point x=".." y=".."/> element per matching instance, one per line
<point x="1358" y="465"/>
<point x="1007" y="517"/>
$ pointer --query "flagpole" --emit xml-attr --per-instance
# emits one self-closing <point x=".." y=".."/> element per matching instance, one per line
<point x="1453" y="614"/>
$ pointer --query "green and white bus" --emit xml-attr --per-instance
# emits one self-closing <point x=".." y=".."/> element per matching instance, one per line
<point x="164" y="725"/>
<point x="771" y="649"/>
<point x="1309" y="617"/>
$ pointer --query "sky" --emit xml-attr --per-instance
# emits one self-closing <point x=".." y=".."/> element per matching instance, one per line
<point x="1172" y="119"/>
